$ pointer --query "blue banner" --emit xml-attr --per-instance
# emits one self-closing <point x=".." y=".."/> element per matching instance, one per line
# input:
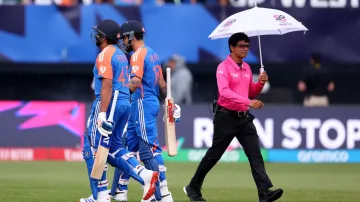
<point x="62" y="34"/>
<point x="314" y="156"/>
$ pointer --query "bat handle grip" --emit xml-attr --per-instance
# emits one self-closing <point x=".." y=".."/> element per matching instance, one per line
<point x="168" y="81"/>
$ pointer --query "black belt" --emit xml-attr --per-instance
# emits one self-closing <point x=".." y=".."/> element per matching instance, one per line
<point x="239" y="114"/>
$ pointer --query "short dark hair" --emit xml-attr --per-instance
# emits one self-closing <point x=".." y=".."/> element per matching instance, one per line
<point x="316" y="57"/>
<point x="235" y="38"/>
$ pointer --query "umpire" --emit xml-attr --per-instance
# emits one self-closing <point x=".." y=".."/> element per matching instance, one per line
<point x="232" y="119"/>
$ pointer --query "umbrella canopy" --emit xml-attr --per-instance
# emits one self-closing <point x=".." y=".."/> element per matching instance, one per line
<point x="257" y="21"/>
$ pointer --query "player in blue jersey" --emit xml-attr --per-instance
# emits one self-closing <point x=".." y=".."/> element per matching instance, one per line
<point x="111" y="74"/>
<point x="146" y="84"/>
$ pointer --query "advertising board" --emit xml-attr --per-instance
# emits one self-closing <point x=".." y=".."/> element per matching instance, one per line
<point x="40" y="130"/>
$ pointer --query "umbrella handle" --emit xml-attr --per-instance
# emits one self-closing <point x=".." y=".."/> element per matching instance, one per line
<point x="261" y="62"/>
<point x="261" y="70"/>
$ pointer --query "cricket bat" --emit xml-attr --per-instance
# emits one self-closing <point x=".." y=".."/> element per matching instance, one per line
<point x="104" y="146"/>
<point x="170" y="134"/>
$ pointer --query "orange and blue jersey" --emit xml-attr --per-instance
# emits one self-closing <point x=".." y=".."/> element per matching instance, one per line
<point x="142" y="134"/>
<point x="112" y="63"/>
<point x="145" y="64"/>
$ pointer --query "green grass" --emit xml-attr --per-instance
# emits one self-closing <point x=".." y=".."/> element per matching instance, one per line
<point x="66" y="182"/>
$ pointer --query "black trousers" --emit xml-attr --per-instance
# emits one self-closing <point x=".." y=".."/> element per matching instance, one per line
<point x="226" y="127"/>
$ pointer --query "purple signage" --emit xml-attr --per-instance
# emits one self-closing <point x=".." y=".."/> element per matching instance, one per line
<point x="41" y="124"/>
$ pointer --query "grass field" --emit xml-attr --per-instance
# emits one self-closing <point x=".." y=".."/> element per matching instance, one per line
<point x="66" y="182"/>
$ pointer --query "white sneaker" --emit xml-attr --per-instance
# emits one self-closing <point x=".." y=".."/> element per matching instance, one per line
<point x="151" y="199"/>
<point x="150" y="178"/>
<point x="165" y="193"/>
<point x="89" y="199"/>
<point x="120" y="195"/>
<point x="109" y="192"/>
<point x="167" y="197"/>
<point x="103" y="196"/>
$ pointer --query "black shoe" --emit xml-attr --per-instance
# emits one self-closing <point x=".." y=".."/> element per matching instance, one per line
<point x="269" y="195"/>
<point x="193" y="194"/>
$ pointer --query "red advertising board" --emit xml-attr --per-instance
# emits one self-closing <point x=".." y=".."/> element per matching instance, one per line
<point x="40" y="154"/>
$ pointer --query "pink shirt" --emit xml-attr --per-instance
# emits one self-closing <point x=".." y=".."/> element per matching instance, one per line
<point x="235" y="85"/>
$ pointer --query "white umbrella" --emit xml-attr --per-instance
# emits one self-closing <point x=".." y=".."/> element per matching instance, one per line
<point x="258" y="21"/>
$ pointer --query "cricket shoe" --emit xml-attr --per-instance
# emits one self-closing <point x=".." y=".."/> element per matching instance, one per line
<point x="269" y="195"/>
<point x="120" y="195"/>
<point x="151" y="199"/>
<point x="193" y="194"/>
<point x="165" y="193"/>
<point x="91" y="196"/>
<point x="150" y="178"/>
<point x="166" y="196"/>
<point x="103" y="196"/>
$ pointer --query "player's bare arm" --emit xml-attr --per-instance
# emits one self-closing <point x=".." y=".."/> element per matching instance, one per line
<point x="135" y="83"/>
<point x="106" y="93"/>
<point x="162" y="86"/>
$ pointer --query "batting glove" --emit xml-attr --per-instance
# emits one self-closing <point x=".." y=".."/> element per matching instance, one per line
<point x="177" y="113"/>
<point x="105" y="127"/>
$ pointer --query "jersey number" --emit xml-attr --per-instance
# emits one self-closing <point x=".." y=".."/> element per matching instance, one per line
<point x="158" y="73"/>
<point x="122" y="76"/>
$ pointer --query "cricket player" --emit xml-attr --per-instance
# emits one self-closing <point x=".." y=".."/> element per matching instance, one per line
<point x="111" y="74"/>
<point x="145" y="85"/>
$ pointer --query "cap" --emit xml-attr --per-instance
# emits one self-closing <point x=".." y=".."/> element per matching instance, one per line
<point x="109" y="28"/>
<point x="131" y="26"/>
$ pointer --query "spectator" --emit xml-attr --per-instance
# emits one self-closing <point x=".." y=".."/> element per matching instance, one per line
<point x="181" y="80"/>
<point x="316" y="83"/>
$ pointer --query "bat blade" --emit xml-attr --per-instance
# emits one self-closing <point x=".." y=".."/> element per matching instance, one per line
<point x="100" y="158"/>
<point x="170" y="133"/>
